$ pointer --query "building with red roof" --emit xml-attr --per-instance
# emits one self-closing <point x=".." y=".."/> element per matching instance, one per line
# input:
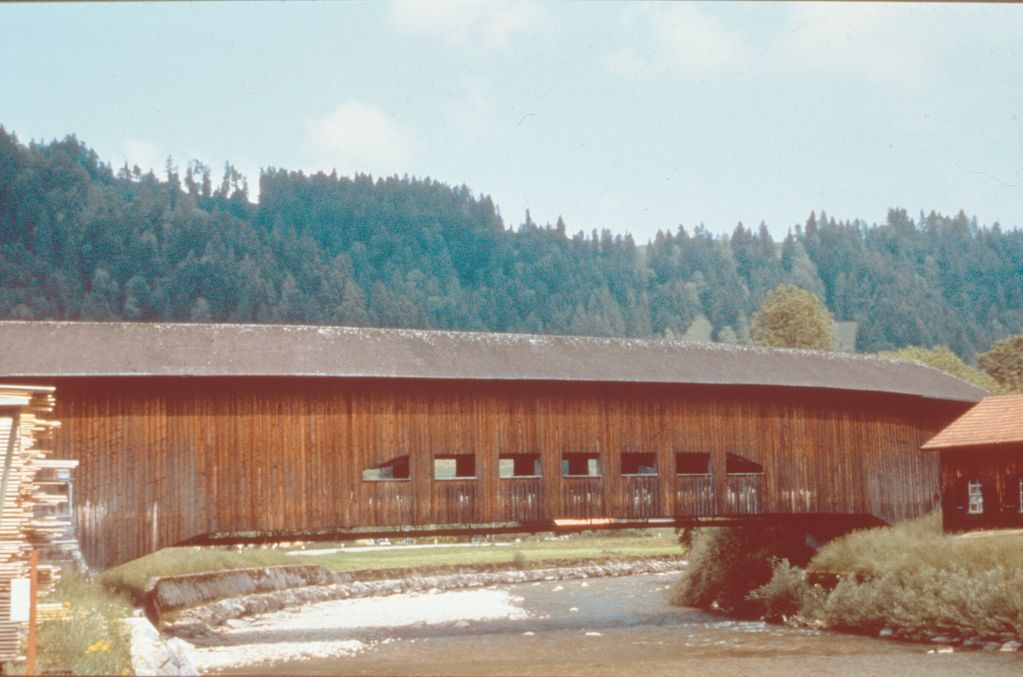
<point x="981" y="467"/>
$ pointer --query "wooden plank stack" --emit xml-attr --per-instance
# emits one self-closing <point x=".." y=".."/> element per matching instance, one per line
<point x="27" y="518"/>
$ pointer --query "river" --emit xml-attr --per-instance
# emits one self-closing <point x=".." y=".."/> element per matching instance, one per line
<point x="583" y="627"/>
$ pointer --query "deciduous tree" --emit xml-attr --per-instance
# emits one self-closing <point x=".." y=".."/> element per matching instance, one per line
<point x="1005" y="362"/>
<point x="792" y="318"/>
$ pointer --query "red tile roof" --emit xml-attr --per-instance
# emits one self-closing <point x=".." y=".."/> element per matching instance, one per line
<point x="994" y="420"/>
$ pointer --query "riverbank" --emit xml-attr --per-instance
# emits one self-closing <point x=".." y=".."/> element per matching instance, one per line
<point x="909" y="582"/>
<point x="393" y="561"/>
<point x="603" y="626"/>
<point x="203" y="619"/>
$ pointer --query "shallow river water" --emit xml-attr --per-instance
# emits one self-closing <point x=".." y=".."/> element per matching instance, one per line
<point x="625" y="626"/>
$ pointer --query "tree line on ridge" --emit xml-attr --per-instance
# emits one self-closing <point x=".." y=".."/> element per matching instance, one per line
<point x="81" y="241"/>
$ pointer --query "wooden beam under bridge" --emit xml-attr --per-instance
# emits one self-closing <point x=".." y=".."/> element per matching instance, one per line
<point x="807" y="522"/>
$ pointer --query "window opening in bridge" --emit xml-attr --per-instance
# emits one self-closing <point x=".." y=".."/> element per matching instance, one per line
<point x="740" y="465"/>
<point x="454" y="467"/>
<point x="395" y="469"/>
<point x="692" y="463"/>
<point x="519" y="465"/>
<point x="975" y="506"/>
<point x="580" y="465"/>
<point x="634" y="463"/>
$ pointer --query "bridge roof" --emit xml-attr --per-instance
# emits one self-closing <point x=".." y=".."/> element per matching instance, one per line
<point x="995" y="420"/>
<point x="94" y="349"/>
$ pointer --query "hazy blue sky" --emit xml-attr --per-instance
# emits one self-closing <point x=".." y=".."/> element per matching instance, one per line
<point x="626" y="116"/>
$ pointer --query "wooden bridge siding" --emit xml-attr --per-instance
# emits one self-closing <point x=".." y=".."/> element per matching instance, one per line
<point x="635" y="423"/>
<point x="246" y="455"/>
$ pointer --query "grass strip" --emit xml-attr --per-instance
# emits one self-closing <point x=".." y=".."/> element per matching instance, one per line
<point x="130" y="579"/>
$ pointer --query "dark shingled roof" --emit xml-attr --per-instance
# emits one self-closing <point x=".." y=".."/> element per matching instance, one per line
<point x="996" y="420"/>
<point x="60" y="349"/>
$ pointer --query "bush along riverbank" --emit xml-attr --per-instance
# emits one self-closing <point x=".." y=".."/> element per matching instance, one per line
<point x="909" y="581"/>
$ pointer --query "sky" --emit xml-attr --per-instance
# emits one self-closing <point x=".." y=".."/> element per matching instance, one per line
<point x="627" y="116"/>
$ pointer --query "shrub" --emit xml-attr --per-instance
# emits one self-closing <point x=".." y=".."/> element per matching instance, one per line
<point x="910" y="578"/>
<point x="727" y="563"/>
<point x="787" y="593"/>
<point x="930" y="602"/>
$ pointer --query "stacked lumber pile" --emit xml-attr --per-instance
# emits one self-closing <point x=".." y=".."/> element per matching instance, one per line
<point x="30" y="510"/>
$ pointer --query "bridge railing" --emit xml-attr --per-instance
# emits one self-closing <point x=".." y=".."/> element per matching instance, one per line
<point x="582" y="497"/>
<point x="391" y="502"/>
<point x="454" y="502"/>
<point x="744" y="494"/>
<point x="694" y="495"/>
<point x="520" y="499"/>
<point x="641" y="494"/>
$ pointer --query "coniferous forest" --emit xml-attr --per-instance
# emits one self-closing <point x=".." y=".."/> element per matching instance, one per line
<point x="82" y="241"/>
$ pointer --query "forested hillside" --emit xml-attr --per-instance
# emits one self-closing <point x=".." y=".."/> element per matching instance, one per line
<point x="79" y="240"/>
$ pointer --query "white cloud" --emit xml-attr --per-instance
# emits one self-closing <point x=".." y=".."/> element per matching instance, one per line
<point x="883" y="43"/>
<point x="493" y="25"/>
<point x="675" y="37"/>
<point x="896" y="45"/>
<point x="356" y="137"/>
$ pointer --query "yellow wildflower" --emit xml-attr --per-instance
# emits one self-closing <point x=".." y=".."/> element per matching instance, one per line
<point x="101" y="645"/>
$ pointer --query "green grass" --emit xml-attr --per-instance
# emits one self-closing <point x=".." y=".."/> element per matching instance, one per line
<point x="93" y="640"/>
<point x="913" y="545"/>
<point x="131" y="578"/>
<point x="910" y="578"/>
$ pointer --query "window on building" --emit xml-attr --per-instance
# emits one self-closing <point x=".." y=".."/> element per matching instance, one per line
<point x="692" y="463"/>
<point x="395" y="469"/>
<point x="975" y="498"/>
<point x="638" y="464"/>
<point x="454" y="467"/>
<point x="519" y="465"/>
<point x="580" y="465"/>
<point x="740" y="465"/>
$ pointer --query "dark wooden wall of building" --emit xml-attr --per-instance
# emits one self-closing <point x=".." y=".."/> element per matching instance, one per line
<point x="999" y="469"/>
<point x="165" y="460"/>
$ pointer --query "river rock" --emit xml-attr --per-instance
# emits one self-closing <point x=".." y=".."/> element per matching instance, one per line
<point x="195" y="621"/>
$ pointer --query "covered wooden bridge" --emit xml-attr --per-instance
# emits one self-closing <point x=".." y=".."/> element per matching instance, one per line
<point x="190" y="431"/>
